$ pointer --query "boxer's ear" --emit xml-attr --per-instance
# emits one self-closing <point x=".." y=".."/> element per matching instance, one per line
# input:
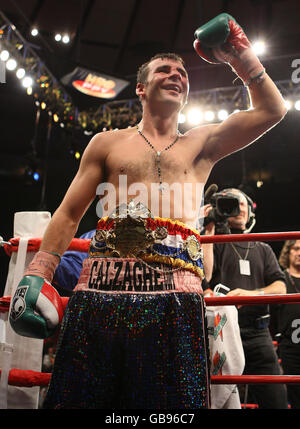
<point x="140" y="90"/>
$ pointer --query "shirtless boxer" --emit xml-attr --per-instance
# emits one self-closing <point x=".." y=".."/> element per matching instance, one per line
<point x="131" y="336"/>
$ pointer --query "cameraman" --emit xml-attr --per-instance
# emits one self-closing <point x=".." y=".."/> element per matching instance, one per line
<point x="247" y="269"/>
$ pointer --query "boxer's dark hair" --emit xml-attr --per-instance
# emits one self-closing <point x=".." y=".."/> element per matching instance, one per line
<point x="142" y="73"/>
<point x="284" y="254"/>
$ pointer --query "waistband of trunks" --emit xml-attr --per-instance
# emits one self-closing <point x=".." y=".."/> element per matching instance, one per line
<point x="153" y="240"/>
<point x="130" y="275"/>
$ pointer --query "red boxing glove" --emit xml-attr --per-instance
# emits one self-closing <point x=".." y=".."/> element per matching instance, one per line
<point x="222" y="40"/>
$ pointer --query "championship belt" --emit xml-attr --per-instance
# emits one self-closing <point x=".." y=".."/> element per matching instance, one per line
<point x="130" y="235"/>
<point x="131" y="231"/>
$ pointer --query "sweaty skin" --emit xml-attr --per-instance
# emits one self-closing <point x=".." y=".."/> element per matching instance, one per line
<point x="130" y="156"/>
<point x="190" y="160"/>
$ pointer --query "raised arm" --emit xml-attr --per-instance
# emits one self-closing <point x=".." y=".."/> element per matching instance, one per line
<point x="222" y="40"/>
<point x="243" y="128"/>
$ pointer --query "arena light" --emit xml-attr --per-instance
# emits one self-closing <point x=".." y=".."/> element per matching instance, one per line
<point x="36" y="176"/>
<point x="259" y="47"/>
<point x="4" y="55"/>
<point x="66" y="38"/>
<point x="222" y="114"/>
<point x="27" y="82"/>
<point x="34" y="32"/>
<point x="209" y="115"/>
<point x="11" y="64"/>
<point x="195" y="116"/>
<point x="297" y="105"/>
<point x="20" y="73"/>
<point x="288" y="104"/>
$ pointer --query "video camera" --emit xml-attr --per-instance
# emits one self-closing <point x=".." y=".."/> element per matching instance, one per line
<point x="224" y="205"/>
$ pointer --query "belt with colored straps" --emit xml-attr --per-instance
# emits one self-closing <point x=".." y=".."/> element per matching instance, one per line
<point x="151" y="239"/>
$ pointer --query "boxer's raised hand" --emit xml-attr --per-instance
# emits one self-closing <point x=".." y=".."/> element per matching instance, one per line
<point x="222" y="40"/>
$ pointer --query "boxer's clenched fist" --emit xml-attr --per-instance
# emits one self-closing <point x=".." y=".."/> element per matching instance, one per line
<point x="222" y="40"/>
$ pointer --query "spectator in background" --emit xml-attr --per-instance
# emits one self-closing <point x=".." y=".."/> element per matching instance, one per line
<point x="289" y="319"/>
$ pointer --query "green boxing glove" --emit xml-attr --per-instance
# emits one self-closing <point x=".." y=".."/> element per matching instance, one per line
<point x="37" y="309"/>
<point x="222" y="40"/>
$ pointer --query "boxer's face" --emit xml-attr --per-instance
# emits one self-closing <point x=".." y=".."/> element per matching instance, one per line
<point x="240" y="221"/>
<point x="167" y="80"/>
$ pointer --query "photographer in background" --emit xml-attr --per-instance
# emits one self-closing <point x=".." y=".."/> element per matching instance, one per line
<point x="247" y="269"/>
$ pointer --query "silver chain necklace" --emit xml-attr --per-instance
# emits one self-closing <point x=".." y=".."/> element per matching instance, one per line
<point x="158" y="154"/>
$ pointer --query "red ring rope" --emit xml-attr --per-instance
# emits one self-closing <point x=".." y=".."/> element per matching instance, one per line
<point x="5" y="303"/>
<point x="255" y="379"/>
<point x="77" y="244"/>
<point x="253" y="300"/>
<point x="19" y="377"/>
<point x="82" y="244"/>
<point x="265" y="236"/>
<point x="26" y="378"/>
<point x="210" y="301"/>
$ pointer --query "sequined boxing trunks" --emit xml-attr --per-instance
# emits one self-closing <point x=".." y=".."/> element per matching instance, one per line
<point x="134" y="332"/>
